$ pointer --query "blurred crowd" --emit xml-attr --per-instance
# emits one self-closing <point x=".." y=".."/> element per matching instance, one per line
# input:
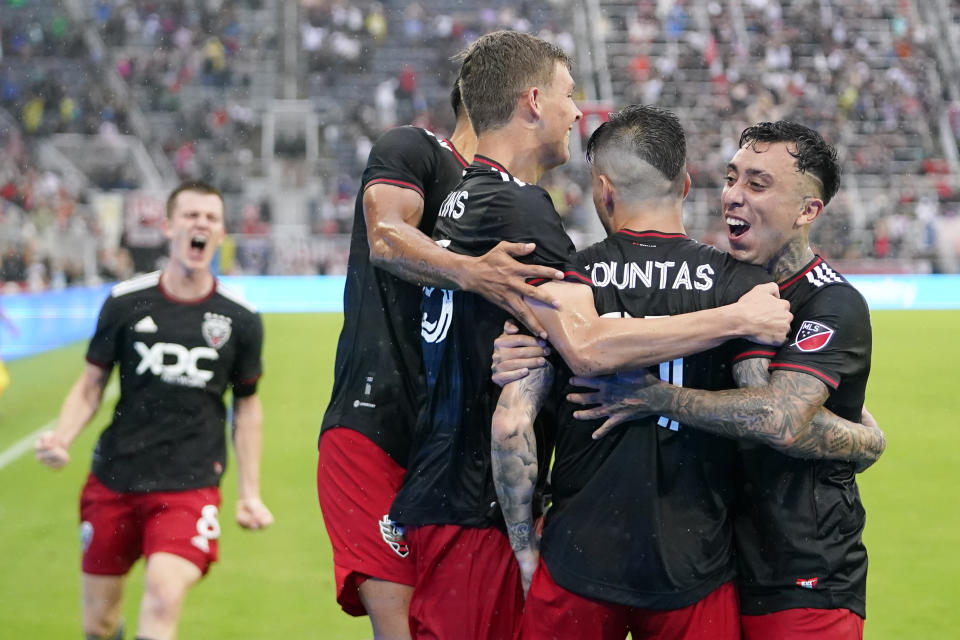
<point x="860" y="71"/>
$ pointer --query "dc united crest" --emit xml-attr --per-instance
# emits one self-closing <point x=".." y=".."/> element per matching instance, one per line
<point x="393" y="536"/>
<point x="812" y="336"/>
<point x="216" y="329"/>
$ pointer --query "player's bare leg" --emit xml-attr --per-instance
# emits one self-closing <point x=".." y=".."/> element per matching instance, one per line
<point x="168" y="578"/>
<point x="388" y="605"/>
<point x="102" y="605"/>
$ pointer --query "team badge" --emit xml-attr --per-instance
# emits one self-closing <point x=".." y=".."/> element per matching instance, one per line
<point x="86" y="535"/>
<point x="215" y="329"/>
<point x="393" y="536"/>
<point x="813" y="336"/>
<point x="807" y="583"/>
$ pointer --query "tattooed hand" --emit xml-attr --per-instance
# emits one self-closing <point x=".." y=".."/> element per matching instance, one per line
<point x="515" y="354"/>
<point x="619" y="399"/>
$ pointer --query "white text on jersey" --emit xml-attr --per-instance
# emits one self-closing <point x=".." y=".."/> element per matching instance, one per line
<point x="667" y="275"/>
<point x="453" y="205"/>
<point x="184" y="370"/>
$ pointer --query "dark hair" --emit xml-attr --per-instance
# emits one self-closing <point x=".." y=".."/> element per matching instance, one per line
<point x="456" y="100"/>
<point x="641" y="133"/>
<point x="498" y="68"/>
<point x="198" y="186"/>
<point x="813" y="154"/>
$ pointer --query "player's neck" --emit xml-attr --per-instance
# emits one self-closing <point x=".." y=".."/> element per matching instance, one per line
<point x="666" y="218"/>
<point x="791" y="259"/>
<point x="186" y="284"/>
<point x="464" y="140"/>
<point x="515" y="150"/>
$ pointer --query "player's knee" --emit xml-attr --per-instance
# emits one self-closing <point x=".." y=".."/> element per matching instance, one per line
<point x="162" y="601"/>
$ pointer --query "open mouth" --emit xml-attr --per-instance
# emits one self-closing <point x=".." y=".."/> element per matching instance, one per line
<point x="736" y="226"/>
<point x="198" y="242"/>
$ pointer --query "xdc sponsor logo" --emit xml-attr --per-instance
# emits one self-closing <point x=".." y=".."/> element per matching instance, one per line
<point x="174" y="363"/>
<point x="393" y="536"/>
<point x="812" y="336"/>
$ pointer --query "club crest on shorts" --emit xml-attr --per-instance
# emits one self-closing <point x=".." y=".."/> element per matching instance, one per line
<point x="807" y="583"/>
<point x="812" y="336"/>
<point x="393" y="536"/>
<point x="86" y="535"/>
<point x="216" y="329"/>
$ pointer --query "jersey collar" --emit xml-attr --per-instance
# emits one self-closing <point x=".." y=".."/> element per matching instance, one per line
<point x="807" y="269"/>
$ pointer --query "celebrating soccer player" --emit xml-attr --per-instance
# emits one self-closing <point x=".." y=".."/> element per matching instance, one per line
<point x="801" y="560"/>
<point x="179" y="339"/>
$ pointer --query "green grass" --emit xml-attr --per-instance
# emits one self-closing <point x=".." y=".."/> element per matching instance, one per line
<point x="278" y="583"/>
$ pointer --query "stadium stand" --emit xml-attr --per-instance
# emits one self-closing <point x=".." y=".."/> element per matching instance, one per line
<point x="104" y="104"/>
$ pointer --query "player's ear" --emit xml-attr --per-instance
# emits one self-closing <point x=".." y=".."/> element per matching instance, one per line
<point x="530" y="102"/>
<point x="165" y="225"/>
<point x="686" y="187"/>
<point x="812" y="208"/>
<point x="607" y="193"/>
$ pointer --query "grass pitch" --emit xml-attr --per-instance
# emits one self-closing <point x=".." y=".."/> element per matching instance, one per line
<point x="278" y="583"/>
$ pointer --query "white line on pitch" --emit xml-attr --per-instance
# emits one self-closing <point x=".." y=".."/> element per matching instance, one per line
<point x="25" y="444"/>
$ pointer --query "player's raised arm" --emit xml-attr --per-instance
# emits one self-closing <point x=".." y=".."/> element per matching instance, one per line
<point x="248" y="444"/>
<point x="78" y="409"/>
<point x="592" y="345"/>
<point x="398" y="246"/>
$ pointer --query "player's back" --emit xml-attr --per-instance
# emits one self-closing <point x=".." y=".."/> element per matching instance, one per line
<point x="378" y="378"/>
<point x="449" y="479"/>
<point x="640" y="517"/>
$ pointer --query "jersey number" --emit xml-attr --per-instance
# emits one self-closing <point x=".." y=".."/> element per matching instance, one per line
<point x="208" y="528"/>
<point x="671" y="372"/>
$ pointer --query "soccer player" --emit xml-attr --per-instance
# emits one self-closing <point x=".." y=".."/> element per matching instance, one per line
<point x="179" y="339"/>
<point x="518" y="91"/>
<point x="801" y="560"/>
<point x="378" y="382"/>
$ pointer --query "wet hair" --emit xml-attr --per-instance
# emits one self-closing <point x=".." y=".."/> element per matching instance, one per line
<point x="814" y="156"/>
<point x="635" y="140"/>
<point x="456" y="100"/>
<point x="198" y="186"/>
<point x="498" y="68"/>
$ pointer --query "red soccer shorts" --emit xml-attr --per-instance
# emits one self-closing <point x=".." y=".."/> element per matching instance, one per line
<point x="356" y="484"/>
<point x="804" y="624"/>
<point x="117" y="528"/>
<point x="554" y="613"/>
<point x="468" y="584"/>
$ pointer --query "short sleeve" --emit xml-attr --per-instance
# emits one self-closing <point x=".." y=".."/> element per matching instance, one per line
<point x="401" y="157"/>
<point x="830" y="338"/>
<point x="104" y="346"/>
<point x="248" y="365"/>
<point x="536" y="220"/>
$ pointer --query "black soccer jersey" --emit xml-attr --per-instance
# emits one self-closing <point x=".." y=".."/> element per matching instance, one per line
<point x="175" y="360"/>
<point x="378" y="376"/>
<point x="799" y="522"/>
<point x="449" y="479"/>
<point x="640" y="517"/>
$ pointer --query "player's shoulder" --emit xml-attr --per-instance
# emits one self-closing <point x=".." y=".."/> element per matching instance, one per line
<point x="233" y="297"/>
<point x="408" y="138"/>
<point x="822" y="287"/>
<point x="137" y="284"/>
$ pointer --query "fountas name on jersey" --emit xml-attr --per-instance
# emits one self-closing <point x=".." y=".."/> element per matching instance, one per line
<point x="652" y="274"/>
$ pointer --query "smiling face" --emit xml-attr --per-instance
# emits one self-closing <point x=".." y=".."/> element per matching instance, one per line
<point x="195" y="229"/>
<point x="767" y="204"/>
<point x="559" y="113"/>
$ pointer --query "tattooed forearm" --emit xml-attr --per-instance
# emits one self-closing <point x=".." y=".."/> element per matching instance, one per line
<point x="840" y="439"/>
<point x="514" y="453"/>
<point x="775" y="414"/>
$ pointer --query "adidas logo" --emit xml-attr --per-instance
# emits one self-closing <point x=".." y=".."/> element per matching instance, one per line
<point x="146" y="325"/>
